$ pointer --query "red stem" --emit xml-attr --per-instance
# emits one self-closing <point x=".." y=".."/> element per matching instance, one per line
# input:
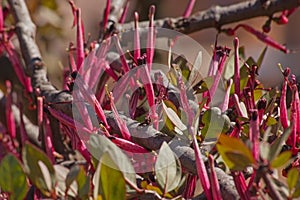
<point x="215" y="186"/>
<point x="124" y="13"/>
<point x="79" y="40"/>
<point x="236" y="67"/>
<point x="189" y="9"/>
<point x="150" y="39"/>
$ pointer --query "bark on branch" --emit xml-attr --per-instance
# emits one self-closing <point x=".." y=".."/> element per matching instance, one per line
<point x="25" y="31"/>
<point x="217" y="16"/>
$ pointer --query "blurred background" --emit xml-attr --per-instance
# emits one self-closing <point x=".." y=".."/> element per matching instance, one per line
<point x="54" y="20"/>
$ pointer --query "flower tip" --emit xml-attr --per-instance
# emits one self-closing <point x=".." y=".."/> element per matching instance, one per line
<point x="136" y="16"/>
<point x="236" y="41"/>
<point x="8" y="86"/>
<point x="287" y="72"/>
<point x="230" y="31"/>
<point x="136" y="19"/>
<point x="152" y="10"/>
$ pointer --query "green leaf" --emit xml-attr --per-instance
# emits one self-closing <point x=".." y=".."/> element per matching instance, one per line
<point x="61" y="176"/>
<point x="172" y="115"/>
<point x="72" y="175"/>
<point x="195" y="75"/>
<point x="261" y="57"/>
<point x="271" y="121"/>
<point x="281" y="159"/>
<point x="203" y="85"/>
<point x="183" y="64"/>
<point x="172" y="76"/>
<point x="83" y="183"/>
<point x="296" y="193"/>
<point x="292" y="178"/>
<point x="214" y="123"/>
<point x="110" y="180"/>
<point x="99" y="144"/>
<point x="234" y="152"/>
<point x="13" y="178"/>
<point x="229" y="69"/>
<point x="39" y="169"/>
<point x="243" y="75"/>
<point x="167" y="169"/>
<point x="264" y="149"/>
<point x="258" y="92"/>
<point x="277" y="144"/>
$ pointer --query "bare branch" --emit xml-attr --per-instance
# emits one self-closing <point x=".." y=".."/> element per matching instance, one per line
<point x="217" y="16"/>
<point x="25" y="30"/>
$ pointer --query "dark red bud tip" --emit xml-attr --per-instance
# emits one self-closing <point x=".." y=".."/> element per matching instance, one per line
<point x="262" y="104"/>
<point x="266" y="28"/>
<point x="136" y="16"/>
<point x="283" y="19"/>
<point x="236" y="42"/>
<point x="230" y="32"/>
<point x="286" y="72"/>
<point x="151" y="10"/>
<point x="254" y="115"/>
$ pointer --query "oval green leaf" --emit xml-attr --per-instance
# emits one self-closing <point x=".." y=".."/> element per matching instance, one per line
<point x="234" y="152"/>
<point x="13" y="178"/>
<point x="281" y="159"/>
<point x="39" y="169"/>
<point x="292" y="178"/>
<point x="112" y="181"/>
<point x="167" y="168"/>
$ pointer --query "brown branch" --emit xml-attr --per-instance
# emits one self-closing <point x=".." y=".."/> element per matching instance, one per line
<point x="217" y="16"/>
<point x="25" y="30"/>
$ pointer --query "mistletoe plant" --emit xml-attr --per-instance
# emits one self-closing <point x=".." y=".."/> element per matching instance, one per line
<point x="122" y="128"/>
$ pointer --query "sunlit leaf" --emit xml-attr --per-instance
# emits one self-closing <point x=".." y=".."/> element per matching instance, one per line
<point x="281" y="159"/>
<point x="61" y="173"/>
<point x="296" y="193"/>
<point x="271" y="121"/>
<point x="258" y="92"/>
<point x="172" y="76"/>
<point x="203" y="85"/>
<point x="195" y="75"/>
<point x="83" y="183"/>
<point x="167" y="168"/>
<point x="214" y="123"/>
<point x="264" y="149"/>
<point x="172" y="115"/>
<point x="99" y="144"/>
<point x="229" y="69"/>
<point x="234" y="152"/>
<point x="111" y="180"/>
<point x="292" y="178"/>
<point x="261" y="57"/>
<point x="183" y="65"/>
<point x="12" y="177"/>
<point x="243" y="77"/>
<point x="277" y="144"/>
<point x="72" y="175"/>
<point x="39" y="169"/>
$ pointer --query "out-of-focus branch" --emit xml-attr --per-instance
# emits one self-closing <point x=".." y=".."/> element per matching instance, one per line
<point x="25" y="30"/>
<point x="217" y="16"/>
